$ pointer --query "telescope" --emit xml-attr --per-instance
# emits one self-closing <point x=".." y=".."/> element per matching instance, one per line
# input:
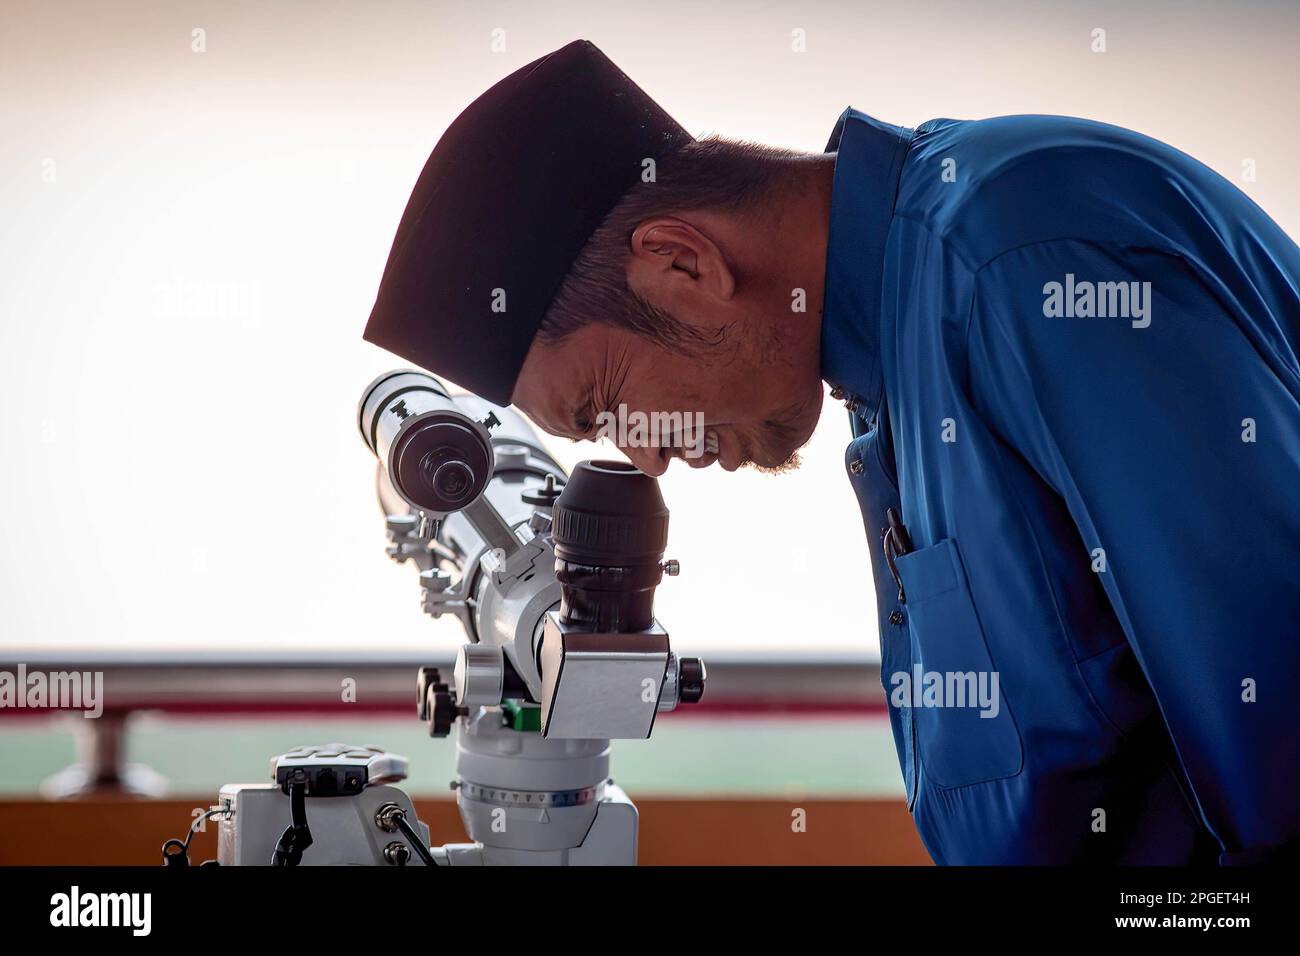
<point x="552" y="578"/>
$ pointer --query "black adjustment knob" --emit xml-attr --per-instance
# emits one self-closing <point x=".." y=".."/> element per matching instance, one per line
<point x="443" y="710"/>
<point x="435" y="702"/>
<point x="690" y="680"/>
<point x="427" y="678"/>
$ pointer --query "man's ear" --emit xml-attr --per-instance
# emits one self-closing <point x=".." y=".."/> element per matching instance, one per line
<point x="673" y="260"/>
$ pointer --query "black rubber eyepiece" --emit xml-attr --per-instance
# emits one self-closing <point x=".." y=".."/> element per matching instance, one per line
<point x="609" y="529"/>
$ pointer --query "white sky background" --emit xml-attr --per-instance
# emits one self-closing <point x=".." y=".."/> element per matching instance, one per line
<point x="181" y="307"/>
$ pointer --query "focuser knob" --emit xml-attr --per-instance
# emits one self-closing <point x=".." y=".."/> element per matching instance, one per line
<point x="435" y="701"/>
<point x="690" y="680"/>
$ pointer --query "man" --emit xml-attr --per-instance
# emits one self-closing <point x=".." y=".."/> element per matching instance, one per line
<point x="1069" y="357"/>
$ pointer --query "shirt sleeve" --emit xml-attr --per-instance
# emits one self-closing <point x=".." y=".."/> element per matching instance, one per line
<point x="1172" y="433"/>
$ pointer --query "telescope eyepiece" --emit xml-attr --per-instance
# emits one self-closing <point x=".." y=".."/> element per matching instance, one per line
<point x="610" y="513"/>
<point x="609" y="529"/>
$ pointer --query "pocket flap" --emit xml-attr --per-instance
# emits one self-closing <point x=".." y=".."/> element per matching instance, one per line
<point x="931" y="571"/>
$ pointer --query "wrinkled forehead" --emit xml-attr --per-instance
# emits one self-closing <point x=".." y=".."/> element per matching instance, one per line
<point x="552" y="388"/>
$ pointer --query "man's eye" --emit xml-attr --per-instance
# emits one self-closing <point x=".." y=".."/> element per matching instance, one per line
<point x="582" y="425"/>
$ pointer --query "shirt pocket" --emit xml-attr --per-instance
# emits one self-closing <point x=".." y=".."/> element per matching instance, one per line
<point x="965" y="731"/>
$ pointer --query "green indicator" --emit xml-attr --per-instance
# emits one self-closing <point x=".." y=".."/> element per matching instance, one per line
<point x="523" y="717"/>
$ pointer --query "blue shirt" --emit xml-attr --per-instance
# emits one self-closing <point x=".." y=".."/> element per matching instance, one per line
<point x="1069" y="355"/>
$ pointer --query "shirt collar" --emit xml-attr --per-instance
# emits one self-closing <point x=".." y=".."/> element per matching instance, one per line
<point x="868" y="164"/>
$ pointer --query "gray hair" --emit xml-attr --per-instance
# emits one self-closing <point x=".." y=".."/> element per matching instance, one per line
<point x="714" y="174"/>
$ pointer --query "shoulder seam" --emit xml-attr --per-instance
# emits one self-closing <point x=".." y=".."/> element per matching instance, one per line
<point x="1172" y="253"/>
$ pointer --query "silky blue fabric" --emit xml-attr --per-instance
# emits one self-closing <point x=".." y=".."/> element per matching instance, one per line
<point x="1069" y="354"/>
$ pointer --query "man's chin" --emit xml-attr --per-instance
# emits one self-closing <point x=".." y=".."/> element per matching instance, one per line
<point x="768" y="465"/>
<point x="778" y="452"/>
<point x="790" y="463"/>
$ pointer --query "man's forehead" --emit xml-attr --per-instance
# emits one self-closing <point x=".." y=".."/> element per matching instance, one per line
<point x="550" y="400"/>
<point x="555" y="383"/>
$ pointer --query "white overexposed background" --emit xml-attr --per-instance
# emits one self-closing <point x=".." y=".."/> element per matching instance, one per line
<point x="191" y="242"/>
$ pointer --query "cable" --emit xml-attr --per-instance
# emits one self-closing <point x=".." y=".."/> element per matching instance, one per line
<point x="181" y="856"/>
<point x="392" y="817"/>
<point x="296" y="837"/>
<point x="416" y="841"/>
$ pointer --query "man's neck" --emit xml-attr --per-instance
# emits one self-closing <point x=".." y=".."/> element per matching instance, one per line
<point x="798" y="227"/>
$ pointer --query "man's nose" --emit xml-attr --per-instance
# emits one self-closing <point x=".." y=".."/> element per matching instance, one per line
<point x="653" y="461"/>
